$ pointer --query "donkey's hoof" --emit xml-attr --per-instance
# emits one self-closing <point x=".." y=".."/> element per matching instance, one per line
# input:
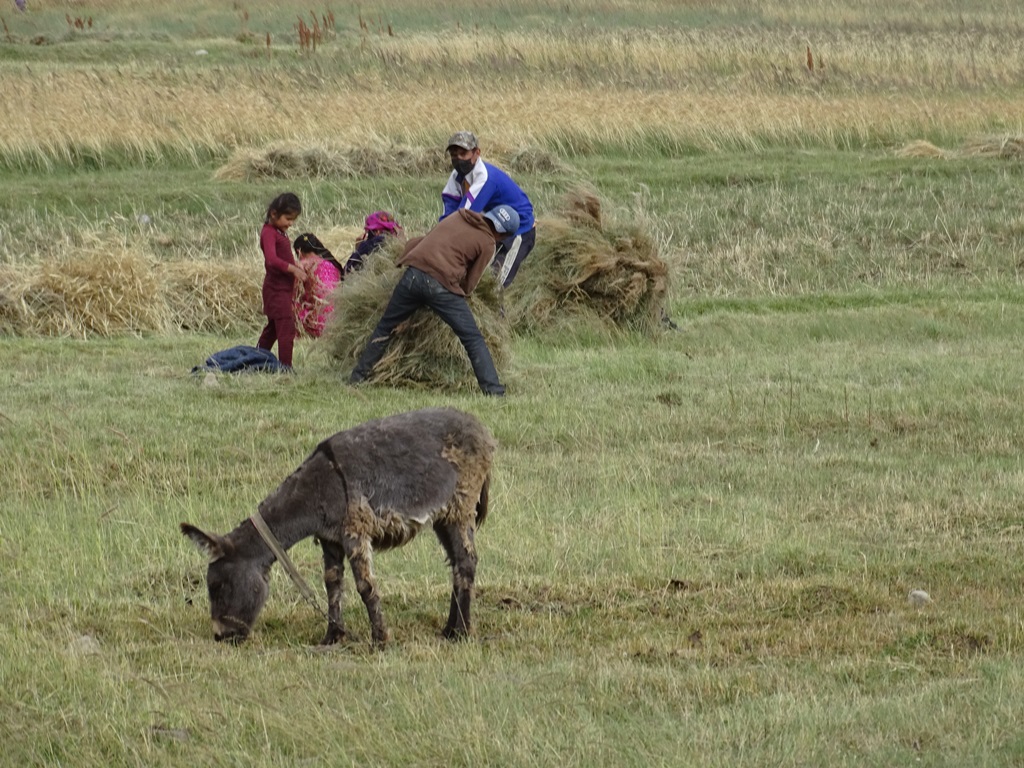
<point x="454" y="634"/>
<point x="335" y="634"/>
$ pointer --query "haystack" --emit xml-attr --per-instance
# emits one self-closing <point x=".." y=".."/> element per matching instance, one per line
<point x="212" y="297"/>
<point x="106" y="289"/>
<point x="533" y="159"/>
<point x="423" y="350"/>
<point x="1005" y="147"/>
<point x="13" y="313"/>
<point x="288" y="160"/>
<point x="285" y="161"/>
<point x="103" y="291"/>
<point x="921" y="148"/>
<point x="589" y="268"/>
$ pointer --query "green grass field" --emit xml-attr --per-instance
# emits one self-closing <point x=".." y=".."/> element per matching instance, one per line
<point x="700" y="545"/>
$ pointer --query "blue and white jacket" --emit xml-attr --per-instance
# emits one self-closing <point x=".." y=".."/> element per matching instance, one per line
<point x="485" y="187"/>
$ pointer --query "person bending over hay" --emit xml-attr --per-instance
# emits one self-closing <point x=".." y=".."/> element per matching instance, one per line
<point x="423" y="351"/>
<point x="442" y="269"/>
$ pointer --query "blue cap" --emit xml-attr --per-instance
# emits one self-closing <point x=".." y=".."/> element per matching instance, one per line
<point x="505" y="218"/>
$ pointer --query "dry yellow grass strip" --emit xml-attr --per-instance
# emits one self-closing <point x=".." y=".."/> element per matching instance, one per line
<point x="56" y="116"/>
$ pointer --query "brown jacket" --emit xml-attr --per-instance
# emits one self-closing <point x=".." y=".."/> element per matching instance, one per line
<point x="455" y="252"/>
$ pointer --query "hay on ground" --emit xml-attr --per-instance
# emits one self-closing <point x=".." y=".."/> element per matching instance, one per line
<point x="287" y="160"/>
<point x="532" y="159"/>
<point x="13" y="312"/>
<point x="1004" y="147"/>
<point x="999" y="147"/>
<point x="212" y="297"/>
<point x="589" y="268"/>
<point x="423" y="351"/>
<point x="105" y="289"/>
<point x="922" y="149"/>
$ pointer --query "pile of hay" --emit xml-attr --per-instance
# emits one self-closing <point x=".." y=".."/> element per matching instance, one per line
<point x="589" y="269"/>
<point x="921" y="148"/>
<point x="533" y="159"/>
<point x="284" y="160"/>
<point x="1005" y="147"/>
<point x="94" y="294"/>
<point x="423" y="351"/>
<point x="287" y="160"/>
<point x="212" y="297"/>
<point x="1000" y="147"/>
<point x="106" y="289"/>
<point x="13" y="313"/>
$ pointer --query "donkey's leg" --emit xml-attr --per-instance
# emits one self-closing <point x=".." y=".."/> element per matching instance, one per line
<point x="334" y="573"/>
<point x="457" y="541"/>
<point x="359" y="552"/>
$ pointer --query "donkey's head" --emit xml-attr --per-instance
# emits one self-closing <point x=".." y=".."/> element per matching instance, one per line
<point x="238" y="587"/>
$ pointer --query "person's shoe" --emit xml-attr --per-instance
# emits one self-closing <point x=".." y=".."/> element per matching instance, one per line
<point x="354" y="378"/>
<point x="498" y="391"/>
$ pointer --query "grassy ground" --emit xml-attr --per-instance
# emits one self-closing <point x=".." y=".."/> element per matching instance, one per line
<point x="700" y="546"/>
<point x="705" y="558"/>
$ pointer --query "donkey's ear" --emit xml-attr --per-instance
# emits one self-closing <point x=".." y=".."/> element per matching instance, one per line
<point x="211" y="546"/>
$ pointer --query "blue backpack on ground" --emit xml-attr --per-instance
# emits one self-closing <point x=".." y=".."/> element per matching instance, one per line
<point x="241" y="358"/>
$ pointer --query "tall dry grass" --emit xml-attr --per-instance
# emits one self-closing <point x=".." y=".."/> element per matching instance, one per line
<point x="708" y="89"/>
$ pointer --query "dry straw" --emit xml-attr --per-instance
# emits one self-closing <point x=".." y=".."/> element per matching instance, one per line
<point x="423" y="351"/>
<point x="287" y="160"/>
<point x="106" y="289"/>
<point x="589" y="268"/>
<point x="1001" y="147"/>
<point x="921" y="149"/>
<point x="1005" y="147"/>
<point x="97" y="293"/>
<point x="211" y="297"/>
<point x="13" y="312"/>
<point x="284" y="160"/>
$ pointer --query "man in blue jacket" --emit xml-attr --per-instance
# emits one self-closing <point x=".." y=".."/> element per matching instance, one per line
<point x="480" y="186"/>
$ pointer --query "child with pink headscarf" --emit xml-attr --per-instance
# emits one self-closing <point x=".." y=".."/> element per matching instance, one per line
<point x="379" y="225"/>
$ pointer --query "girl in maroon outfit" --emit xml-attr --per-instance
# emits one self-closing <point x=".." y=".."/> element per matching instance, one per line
<point x="282" y="271"/>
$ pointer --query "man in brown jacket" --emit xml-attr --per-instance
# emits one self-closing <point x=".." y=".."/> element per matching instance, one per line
<point x="442" y="269"/>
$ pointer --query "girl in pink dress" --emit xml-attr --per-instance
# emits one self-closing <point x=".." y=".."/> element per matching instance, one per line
<point x="313" y="295"/>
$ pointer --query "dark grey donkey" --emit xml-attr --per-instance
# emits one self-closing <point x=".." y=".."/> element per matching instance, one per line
<point x="370" y="487"/>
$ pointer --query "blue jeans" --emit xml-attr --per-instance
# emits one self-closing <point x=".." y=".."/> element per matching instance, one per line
<point x="418" y="289"/>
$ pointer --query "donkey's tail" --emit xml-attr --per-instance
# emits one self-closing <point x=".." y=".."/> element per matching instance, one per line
<point x="481" y="505"/>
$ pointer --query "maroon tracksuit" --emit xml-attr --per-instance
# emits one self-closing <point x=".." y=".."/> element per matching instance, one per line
<point x="278" y="287"/>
